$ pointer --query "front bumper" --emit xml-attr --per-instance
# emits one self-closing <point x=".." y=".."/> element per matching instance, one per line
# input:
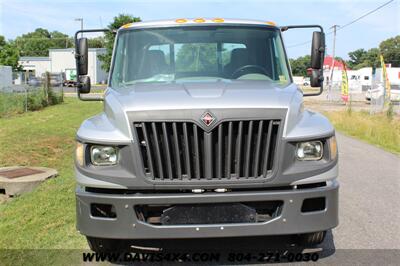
<point x="127" y="226"/>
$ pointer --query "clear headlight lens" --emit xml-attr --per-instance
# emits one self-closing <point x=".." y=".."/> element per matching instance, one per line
<point x="333" y="148"/>
<point x="104" y="155"/>
<point x="79" y="153"/>
<point x="309" y="151"/>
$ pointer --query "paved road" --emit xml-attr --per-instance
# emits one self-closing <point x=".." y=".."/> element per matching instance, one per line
<point x="369" y="213"/>
<point x="369" y="197"/>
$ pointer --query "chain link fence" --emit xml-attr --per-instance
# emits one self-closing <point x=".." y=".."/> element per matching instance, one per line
<point x="16" y="99"/>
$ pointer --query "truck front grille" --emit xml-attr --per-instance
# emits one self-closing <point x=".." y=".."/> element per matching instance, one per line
<point x="184" y="151"/>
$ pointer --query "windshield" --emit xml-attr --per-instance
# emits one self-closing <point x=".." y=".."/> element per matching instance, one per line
<point x="199" y="53"/>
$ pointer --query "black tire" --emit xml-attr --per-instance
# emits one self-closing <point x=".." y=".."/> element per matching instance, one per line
<point x="311" y="239"/>
<point x="106" y="245"/>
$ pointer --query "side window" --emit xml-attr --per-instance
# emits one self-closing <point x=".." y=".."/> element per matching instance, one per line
<point x="278" y="61"/>
<point x="227" y="49"/>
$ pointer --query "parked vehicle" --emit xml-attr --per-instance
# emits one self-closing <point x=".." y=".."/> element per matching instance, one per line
<point x="34" y="81"/>
<point x="70" y="77"/>
<point x="203" y="134"/>
<point x="378" y="92"/>
<point x="56" y="78"/>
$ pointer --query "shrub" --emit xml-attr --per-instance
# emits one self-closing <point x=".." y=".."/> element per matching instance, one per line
<point x="36" y="100"/>
<point x="15" y="103"/>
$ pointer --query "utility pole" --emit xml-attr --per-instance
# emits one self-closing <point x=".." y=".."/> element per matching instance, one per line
<point x="81" y="20"/>
<point x="333" y="60"/>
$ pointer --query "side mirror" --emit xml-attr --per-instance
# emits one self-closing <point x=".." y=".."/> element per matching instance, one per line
<point x="317" y="57"/>
<point x="84" y="85"/>
<point x="317" y="50"/>
<point x="82" y="56"/>
<point x="316" y="78"/>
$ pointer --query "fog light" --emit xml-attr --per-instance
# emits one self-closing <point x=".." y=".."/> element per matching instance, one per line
<point x="104" y="155"/>
<point x="309" y="151"/>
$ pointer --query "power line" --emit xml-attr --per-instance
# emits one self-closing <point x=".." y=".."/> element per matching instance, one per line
<point x="366" y="14"/>
<point x="347" y="24"/>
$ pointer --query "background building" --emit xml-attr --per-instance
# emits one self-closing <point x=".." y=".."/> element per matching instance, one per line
<point x="5" y="76"/>
<point x="62" y="61"/>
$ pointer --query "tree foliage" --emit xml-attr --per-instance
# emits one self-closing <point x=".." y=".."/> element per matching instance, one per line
<point x="118" y="21"/>
<point x="361" y="58"/>
<point x="38" y="42"/>
<point x="390" y="50"/>
<point x="9" y="55"/>
<point x="299" y="65"/>
<point x="97" y="42"/>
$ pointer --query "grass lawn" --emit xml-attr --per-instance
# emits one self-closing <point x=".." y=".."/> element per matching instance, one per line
<point x="44" y="218"/>
<point x="375" y="129"/>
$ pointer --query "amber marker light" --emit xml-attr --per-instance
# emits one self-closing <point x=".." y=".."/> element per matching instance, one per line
<point x="218" y="20"/>
<point x="181" y="20"/>
<point x="127" y="25"/>
<point x="199" y="20"/>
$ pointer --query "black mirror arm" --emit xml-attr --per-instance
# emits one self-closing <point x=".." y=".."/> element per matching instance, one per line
<point x="78" y="56"/>
<point x="321" y="49"/>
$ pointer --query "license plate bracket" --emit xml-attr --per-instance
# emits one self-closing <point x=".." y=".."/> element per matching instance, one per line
<point x="208" y="214"/>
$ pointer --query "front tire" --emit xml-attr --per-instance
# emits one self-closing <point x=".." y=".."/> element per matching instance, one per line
<point x="311" y="239"/>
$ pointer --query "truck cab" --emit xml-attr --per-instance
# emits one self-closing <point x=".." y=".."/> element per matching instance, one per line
<point x="204" y="134"/>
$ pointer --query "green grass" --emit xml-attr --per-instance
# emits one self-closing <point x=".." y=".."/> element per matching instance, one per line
<point x="17" y="103"/>
<point x="44" y="218"/>
<point x="375" y="129"/>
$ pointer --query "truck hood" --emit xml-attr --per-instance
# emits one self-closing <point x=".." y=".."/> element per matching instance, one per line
<point x="113" y="125"/>
<point x="198" y="95"/>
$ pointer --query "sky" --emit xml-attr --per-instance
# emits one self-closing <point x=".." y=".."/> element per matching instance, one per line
<point x="18" y="17"/>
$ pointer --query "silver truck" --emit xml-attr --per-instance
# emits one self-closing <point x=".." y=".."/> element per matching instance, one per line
<point x="204" y="135"/>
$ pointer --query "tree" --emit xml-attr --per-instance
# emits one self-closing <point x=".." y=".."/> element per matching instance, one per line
<point x="9" y="55"/>
<point x="300" y="65"/>
<point x="356" y="58"/>
<point x="118" y="21"/>
<point x="97" y="42"/>
<point x="361" y="58"/>
<point x="390" y="50"/>
<point x="38" y="42"/>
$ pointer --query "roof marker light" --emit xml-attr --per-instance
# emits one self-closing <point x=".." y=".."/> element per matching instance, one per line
<point x="127" y="25"/>
<point x="199" y="20"/>
<point x="271" y="23"/>
<point x="181" y="20"/>
<point x="218" y="20"/>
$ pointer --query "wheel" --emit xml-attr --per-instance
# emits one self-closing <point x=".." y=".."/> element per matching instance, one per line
<point x="106" y="245"/>
<point x="311" y="239"/>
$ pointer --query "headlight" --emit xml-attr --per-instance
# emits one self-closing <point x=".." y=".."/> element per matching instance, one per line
<point x="104" y="155"/>
<point x="79" y="153"/>
<point x="309" y="151"/>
